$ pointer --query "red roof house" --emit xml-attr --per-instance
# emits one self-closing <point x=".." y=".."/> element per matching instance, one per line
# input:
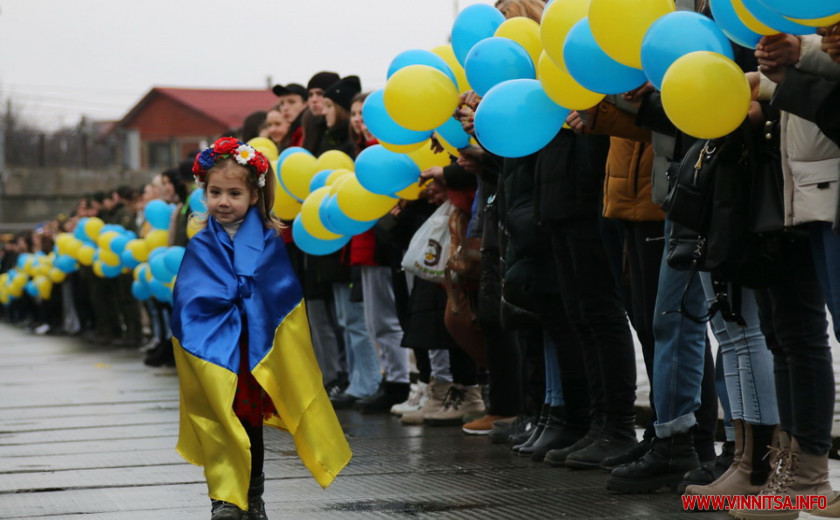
<point x="170" y="123"/>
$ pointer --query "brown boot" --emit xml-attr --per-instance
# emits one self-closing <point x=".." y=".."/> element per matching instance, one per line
<point x="718" y="486"/>
<point x="795" y="474"/>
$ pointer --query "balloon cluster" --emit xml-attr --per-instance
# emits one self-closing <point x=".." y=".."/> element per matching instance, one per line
<point x="110" y="250"/>
<point x="531" y="75"/>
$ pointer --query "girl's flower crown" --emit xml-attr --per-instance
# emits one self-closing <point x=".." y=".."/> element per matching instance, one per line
<point x="224" y="148"/>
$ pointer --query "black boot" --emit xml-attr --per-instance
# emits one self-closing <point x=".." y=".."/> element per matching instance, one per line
<point x="162" y="354"/>
<point x="555" y="437"/>
<point x="385" y="397"/>
<point x="586" y="434"/>
<point x="711" y="471"/>
<point x="664" y="465"/>
<point x="619" y="435"/>
<point x="630" y="455"/>
<point x="536" y="431"/>
<point x="225" y="511"/>
<point x="256" y="506"/>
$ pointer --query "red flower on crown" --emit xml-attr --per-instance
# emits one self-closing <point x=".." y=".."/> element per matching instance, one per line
<point x="230" y="147"/>
<point x="226" y="145"/>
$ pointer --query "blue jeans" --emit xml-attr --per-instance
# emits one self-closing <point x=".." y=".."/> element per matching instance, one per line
<point x="362" y="362"/>
<point x="747" y="363"/>
<point x="825" y="246"/>
<point x="679" y="351"/>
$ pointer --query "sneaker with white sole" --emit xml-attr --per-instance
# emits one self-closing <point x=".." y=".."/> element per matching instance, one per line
<point x="417" y="397"/>
<point x="459" y="402"/>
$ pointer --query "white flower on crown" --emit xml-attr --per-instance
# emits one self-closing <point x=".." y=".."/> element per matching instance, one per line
<point x="244" y="153"/>
<point x="261" y="181"/>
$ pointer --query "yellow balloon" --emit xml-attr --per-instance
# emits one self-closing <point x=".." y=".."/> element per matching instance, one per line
<point x="401" y="148"/>
<point x="557" y="20"/>
<point x="20" y="280"/>
<point x="448" y="55"/>
<point x="97" y="269"/>
<point x="413" y="191"/>
<point x="296" y="172"/>
<point x="359" y="204"/>
<point x="285" y="206"/>
<point x="93" y="226"/>
<point x="43" y="269"/>
<point x="85" y="256"/>
<point x="109" y="257"/>
<point x="44" y="286"/>
<point x="419" y="97"/>
<point x="193" y="227"/>
<point x="425" y="158"/>
<point x="335" y="186"/>
<point x="310" y="215"/>
<point x="15" y="291"/>
<point x="57" y="275"/>
<point x="619" y="26"/>
<point x="525" y="32"/>
<point x="562" y="88"/>
<point x="818" y="22"/>
<point x="104" y="239"/>
<point x="751" y="21"/>
<point x="705" y="94"/>
<point x="335" y="175"/>
<point x="266" y="146"/>
<point x="62" y="241"/>
<point x="334" y="160"/>
<point x="71" y="247"/>
<point x="156" y="238"/>
<point x="139" y="249"/>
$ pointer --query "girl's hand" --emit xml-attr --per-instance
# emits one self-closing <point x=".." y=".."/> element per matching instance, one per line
<point x="831" y="41"/>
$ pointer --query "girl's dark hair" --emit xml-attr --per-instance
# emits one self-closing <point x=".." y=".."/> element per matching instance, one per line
<point x="175" y="179"/>
<point x="252" y="125"/>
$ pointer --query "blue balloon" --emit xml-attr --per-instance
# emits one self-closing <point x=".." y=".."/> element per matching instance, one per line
<point x="128" y="259"/>
<point x="517" y="118"/>
<point x="590" y="66"/>
<point x="730" y="23"/>
<point x="143" y="272"/>
<point x="383" y="126"/>
<point x="79" y="232"/>
<point x="384" y="172"/>
<point x="157" y="214"/>
<point x="473" y="24"/>
<point x="315" y="246"/>
<point x="319" y="180"/>
<point x="115" y="227"/>
<point x="141" y="290"/>
<point x="198" y="202"/>
<point x="453" y="133"/>
<point x="22" y="259"/>
<point x="773" y="19"/>
<point x="159" y="269"/>
<point x="30" y="289"/>
<point x="111" y="271"/>
<point x="337" y="222"/>
<point x="159" y="291"/>
<point x="803" y="9"/>
<point x="65" y="264"/>
<point x="172" y="258"/>
<point x="119" y="242"/>
<point x="420" y="57"/>
<point x="675" y="35"/>
<point x="494" y="60"/>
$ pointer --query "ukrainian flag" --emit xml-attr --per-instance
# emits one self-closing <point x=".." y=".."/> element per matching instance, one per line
<point x="219" y="281"/>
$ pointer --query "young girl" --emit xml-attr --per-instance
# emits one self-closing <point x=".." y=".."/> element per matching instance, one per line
<point x="242" y="344"/>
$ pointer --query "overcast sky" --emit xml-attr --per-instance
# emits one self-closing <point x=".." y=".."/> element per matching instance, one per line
<point x="60" y="59"/>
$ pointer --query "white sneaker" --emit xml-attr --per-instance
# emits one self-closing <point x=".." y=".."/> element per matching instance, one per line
<point x="417" y="397"/>
<point x="437" y="391"/>
<point x="42" y="329"/>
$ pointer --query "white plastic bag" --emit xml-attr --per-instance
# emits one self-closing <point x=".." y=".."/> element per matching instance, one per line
<point x="429" y="247"/>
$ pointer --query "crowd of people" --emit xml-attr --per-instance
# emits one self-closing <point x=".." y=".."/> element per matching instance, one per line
<point x="561" y="256"/>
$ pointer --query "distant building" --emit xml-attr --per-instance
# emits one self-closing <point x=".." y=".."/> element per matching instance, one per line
<point x="169" y="123"/>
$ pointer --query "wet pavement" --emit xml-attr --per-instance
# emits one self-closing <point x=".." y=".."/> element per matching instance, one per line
<point x="89" y="432"/>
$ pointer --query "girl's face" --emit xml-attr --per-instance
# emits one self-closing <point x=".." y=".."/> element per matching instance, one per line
<point x="276" y="126"/>
<point x="228" y="194"/>
<point x="167" y="189"/>
<point x="329" y="112"/>
<point x="356" y="117"/>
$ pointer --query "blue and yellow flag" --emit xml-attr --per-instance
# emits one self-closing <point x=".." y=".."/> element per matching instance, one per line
<point x="219" y="281"/>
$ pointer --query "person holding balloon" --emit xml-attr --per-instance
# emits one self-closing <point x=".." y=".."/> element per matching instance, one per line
<point x="240" y="328"/>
